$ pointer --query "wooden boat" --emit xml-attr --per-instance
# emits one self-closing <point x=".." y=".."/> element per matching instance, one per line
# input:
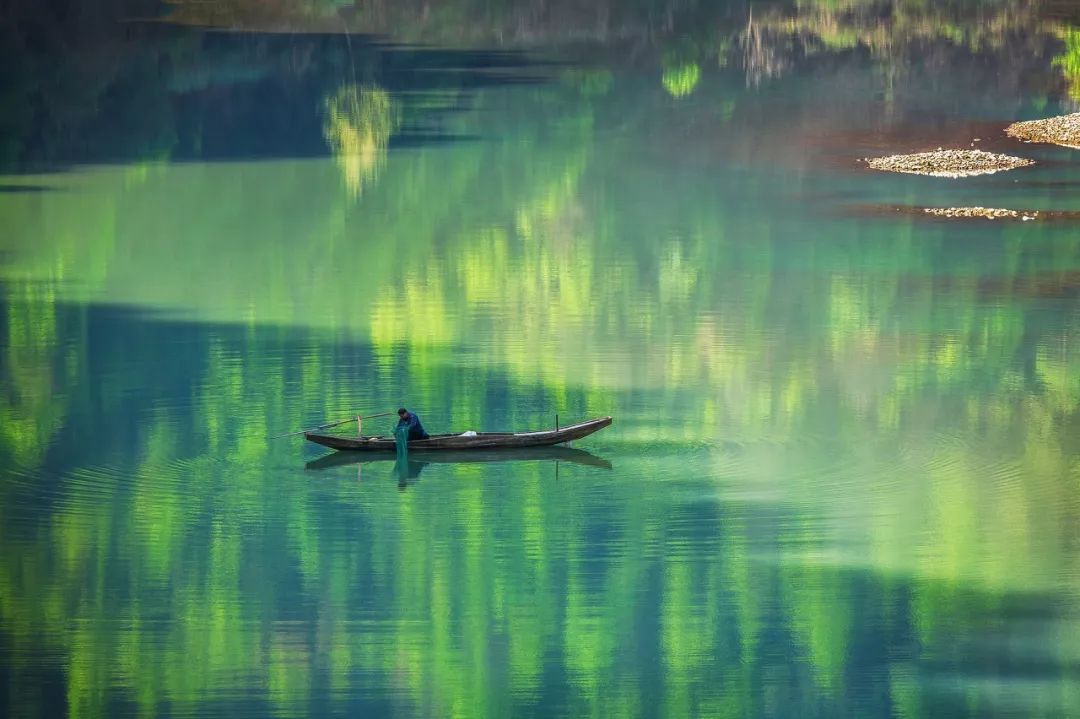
<point x="570" y="455"/>
<point x="479" y="440"/>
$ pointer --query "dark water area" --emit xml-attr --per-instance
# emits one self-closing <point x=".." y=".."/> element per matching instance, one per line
<point x="842" y="474"/>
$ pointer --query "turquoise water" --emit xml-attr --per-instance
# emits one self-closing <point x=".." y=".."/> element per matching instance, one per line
<point x="842" y="475"/>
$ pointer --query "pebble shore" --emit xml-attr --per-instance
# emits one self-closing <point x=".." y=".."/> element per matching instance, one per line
<point x="948" y="163"/>
<point x="990" y="213"/>
<point x="1061" y="130"/>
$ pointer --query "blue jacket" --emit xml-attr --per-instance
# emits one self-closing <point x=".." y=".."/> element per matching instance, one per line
<point x="416" y="430"/>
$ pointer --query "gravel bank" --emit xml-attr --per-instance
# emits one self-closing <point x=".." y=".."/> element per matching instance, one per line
<point x="948" y="163"/>
<point x="1060" y="130"/>
<point x="990" y="213"/>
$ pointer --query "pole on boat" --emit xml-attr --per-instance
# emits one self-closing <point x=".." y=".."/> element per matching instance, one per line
<point x="332" y="424"/>
<point x="556" y="421"/>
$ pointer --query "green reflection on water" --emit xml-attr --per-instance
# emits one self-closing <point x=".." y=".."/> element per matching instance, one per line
<point x="358" y="126"/>
<point x="844" y="478"/>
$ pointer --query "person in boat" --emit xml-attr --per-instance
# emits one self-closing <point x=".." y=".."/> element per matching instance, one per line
<point x="410" y="420"/>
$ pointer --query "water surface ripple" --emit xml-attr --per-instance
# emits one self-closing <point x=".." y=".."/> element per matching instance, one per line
<point x="840" y="479"/>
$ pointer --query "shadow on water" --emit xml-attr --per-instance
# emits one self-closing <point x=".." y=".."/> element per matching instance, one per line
<point x="1002" y="656"/>
<point x="407" y="472"/>
<point x="185" y="93"/>
<point x="161" y="555"/>
<point x="161" y="365"/>
<point x="537" y="454"/>
<point x="146" y="456"/>
<point x="11" y="189"/>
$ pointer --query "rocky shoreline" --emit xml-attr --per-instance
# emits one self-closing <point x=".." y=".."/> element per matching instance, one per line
<point x="948" y="163"/>
<point x="989" y="213"/>
<point x="1062" y="130"/>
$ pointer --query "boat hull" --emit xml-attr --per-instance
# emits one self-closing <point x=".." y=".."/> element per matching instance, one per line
<point x="481" y="440"/>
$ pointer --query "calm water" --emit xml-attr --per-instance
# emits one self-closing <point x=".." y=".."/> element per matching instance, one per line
<point x="843" y="477"/>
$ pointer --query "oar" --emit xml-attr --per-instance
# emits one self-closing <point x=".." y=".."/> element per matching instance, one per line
<point x="330" y="424"/>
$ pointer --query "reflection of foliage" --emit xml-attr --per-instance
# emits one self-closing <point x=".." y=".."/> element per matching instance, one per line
<point x="30" y="409"/>
<point x="67" y="72"/>
<point x="591" y="83"/>
<point x="681" y="71"/>
<point x="881" y="341"/>
<point x="770" y="38"/>
<point x="359" y="123"/>
<point x="259" y="14"/>
<point x="1069" y="61"/>
<point x="680" y="80"/>
<point x="776" y="38"/>
<point x="139" y="91"/>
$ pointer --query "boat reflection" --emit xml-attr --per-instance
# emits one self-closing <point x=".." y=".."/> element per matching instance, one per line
<point x="465" y="456"/>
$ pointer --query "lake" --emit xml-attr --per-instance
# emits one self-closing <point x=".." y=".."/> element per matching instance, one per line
<point x="843" y="477"/>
